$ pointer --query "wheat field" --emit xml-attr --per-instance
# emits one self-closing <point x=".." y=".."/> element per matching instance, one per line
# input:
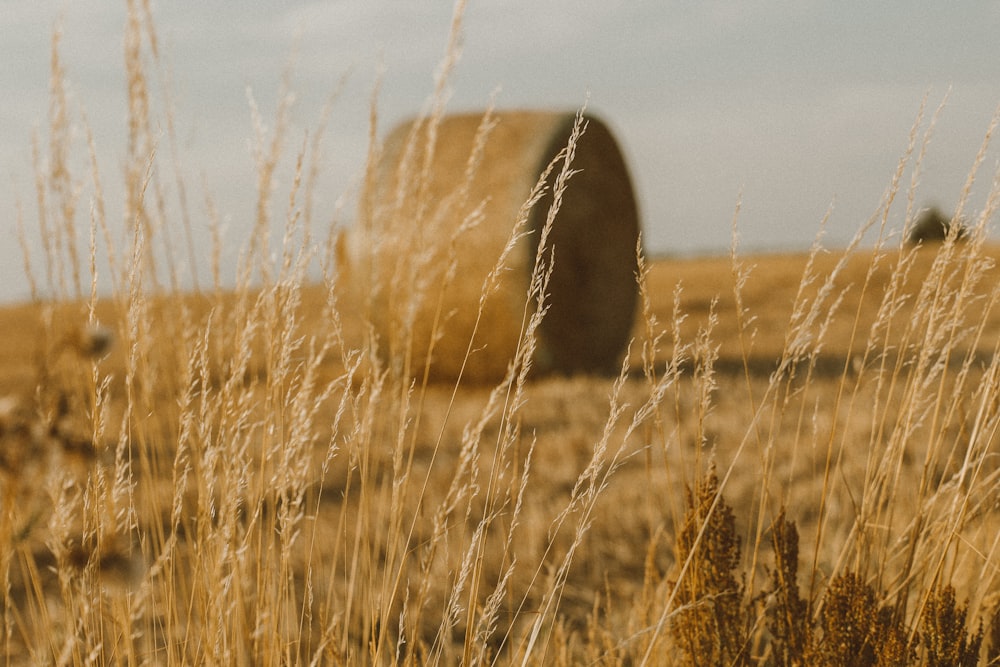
<point x="795" y="465"/>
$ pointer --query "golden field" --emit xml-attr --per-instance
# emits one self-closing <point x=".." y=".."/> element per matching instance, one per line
<point x="232" y="511"/>
<point x="795" y="465"/>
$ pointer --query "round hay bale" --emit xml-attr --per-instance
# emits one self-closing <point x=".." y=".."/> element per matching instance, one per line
<point x="934" y="226"/>
<point x="434" y="222"/>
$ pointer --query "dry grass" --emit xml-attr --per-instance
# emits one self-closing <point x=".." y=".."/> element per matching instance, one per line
<point x="795" y="465"/>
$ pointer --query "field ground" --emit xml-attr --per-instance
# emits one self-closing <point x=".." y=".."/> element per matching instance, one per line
<point x="769" y="295"/>
<point x="806" y="439"/>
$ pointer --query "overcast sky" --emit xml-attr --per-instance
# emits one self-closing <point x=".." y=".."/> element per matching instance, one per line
<point x="799" y="105"/>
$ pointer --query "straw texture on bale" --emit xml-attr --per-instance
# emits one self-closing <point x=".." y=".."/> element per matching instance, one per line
<point x="437" y="212"/>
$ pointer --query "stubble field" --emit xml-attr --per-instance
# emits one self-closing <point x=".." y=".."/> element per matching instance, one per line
<point x="300" y="503"/>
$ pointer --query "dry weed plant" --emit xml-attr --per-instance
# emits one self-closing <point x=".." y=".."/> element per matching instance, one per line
<point x="247" y="475"/>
